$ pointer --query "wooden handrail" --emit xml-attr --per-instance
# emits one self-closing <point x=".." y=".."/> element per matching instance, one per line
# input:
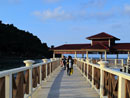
<point x="112" y="83"/>
<point x="17" y="83"/>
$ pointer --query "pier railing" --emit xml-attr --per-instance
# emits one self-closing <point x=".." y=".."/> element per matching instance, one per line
<point x="23" y="82"/>
<point x="108" y="82"/>
<point x="112" y="62"/>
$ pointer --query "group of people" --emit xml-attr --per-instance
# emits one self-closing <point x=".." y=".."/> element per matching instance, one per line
<point x="68" y="63"/>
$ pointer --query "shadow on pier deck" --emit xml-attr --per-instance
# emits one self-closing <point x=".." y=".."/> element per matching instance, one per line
<point x="60" y="85"/>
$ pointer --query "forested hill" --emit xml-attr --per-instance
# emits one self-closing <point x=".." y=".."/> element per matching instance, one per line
<point x="20" y="43"/>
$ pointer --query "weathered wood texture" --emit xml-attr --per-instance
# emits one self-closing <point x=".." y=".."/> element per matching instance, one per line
<point x="20" y="80"/>
<point x="82" y="67"/>
<point x="2" y="87"/>
<point x="86" y="69"/>
<point x="20" y="84"/>
<point x="110" y="85"/>
<point x="35" y="77"/>
<point x="97" y="77"/>
<point x="43" y="72"/>
<point x="90" y="72"/>
<point x="127" y="94"/>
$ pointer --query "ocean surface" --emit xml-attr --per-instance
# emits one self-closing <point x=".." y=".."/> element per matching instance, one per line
<point x="6" y="64"/>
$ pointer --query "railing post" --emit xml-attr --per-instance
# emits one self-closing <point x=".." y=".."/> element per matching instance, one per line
<point x="8" y="86"/>
<point x="51" y="63"/>
<point x="29" y="63"/>
<point x="84" y="68"/>
<point x="87" y="67"/>
<point x="92" y="76"/>
<point x="122" y="62"/>
<point x="115" y="61"/>
<point x="45" y="61"/>
<point x="81" y="66"/>
<point x="40" y="69"/>
<point x="121" y="87"/>
<point x="102" y="65"/>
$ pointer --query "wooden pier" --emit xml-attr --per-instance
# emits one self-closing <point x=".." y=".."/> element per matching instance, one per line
<point x="60" y="85"/>
<point x="49" y="80"/>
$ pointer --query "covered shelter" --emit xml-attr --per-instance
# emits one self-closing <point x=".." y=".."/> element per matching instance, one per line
<point x="101" y="43"/>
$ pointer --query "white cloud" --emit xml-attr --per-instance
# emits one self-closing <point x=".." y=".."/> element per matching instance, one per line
<point x="60" y="14"/>
<point x="57" y="14"/>
<point x="127" y="9"/>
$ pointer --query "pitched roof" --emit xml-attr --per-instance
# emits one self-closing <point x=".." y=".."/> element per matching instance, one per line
<point x="71" y="46"/>
<point x="102" y="35"/>
<point x="122" y="46"/>
<point x="98" y="46"/>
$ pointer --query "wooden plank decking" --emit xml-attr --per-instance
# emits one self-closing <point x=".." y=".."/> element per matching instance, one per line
<point x="60" y="85"/>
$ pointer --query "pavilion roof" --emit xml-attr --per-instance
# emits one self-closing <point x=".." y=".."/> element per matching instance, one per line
<point x="95" y="47"/>
<point x="117" y="46"/>
<point x="122" y="46"/>
<point x="102" y="35"/>
<point x="72" y="46"/>
<point x="98" y="46"/>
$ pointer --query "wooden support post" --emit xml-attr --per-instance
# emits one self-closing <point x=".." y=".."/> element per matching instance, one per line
<point x="82" y="55"/>
<point x="105" y="55"/>
<point x="50" y="69"/>
<point x="101" y="56"/>
<point x="92" y="77"/>
<point x="40" y="69"/>
<point x="121" y="88"/>
<point x="128" y="55"/>
<point x="75" y="54"/>
<point x="117" y="56"/>
<point x="29" y="64"/>
<point x="53" y="55"/>
<point x="45" y="61"/>
<point x="8" y="86"/>
<point x="128" y="58"/>
<point x="102" y="65"/>
<point x="87" y="67"/>
<point x="87" y="55"/>
<point x="84" y="68"/>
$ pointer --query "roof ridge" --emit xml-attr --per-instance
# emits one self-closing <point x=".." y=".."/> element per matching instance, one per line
<point x="102" y="35"/>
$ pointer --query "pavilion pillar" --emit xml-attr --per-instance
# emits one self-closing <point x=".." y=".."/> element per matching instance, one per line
<point x="62" y="55"/>
<point x="101" y="56"/>
<point x="75" y="54"/>
<point x="54" y="55"/>
<point x="105" y="55"/>
<point x="82" y="55"/>
<point x="87" y="55"/>
<point x="128" y="57"/>
<point x="117" y="56"/>
<point x="116" y="60"/>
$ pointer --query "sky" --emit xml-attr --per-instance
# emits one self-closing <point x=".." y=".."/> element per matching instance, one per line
<point x="58" y="22"/>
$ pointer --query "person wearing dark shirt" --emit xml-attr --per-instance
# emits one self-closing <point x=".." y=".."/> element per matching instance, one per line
<point x="70" y="62"/>
<point x="64" y="62"/>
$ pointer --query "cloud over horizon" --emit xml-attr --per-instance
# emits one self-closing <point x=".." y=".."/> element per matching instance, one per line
<point x="59" y="14"/>
<point x="56" y="14"/>
<point x="127" y="9"/>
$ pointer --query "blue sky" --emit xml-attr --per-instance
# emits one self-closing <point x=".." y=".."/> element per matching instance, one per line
<point x="57" y="22"/>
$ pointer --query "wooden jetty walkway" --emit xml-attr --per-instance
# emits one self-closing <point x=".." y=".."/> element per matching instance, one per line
<point x="60" y="85"/>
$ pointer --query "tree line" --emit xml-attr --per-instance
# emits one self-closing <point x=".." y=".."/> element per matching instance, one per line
<point x="20" y="43"/>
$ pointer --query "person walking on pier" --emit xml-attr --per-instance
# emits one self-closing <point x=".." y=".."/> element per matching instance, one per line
<point x="64" y="62"/>
<point x="70" y="62"/>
